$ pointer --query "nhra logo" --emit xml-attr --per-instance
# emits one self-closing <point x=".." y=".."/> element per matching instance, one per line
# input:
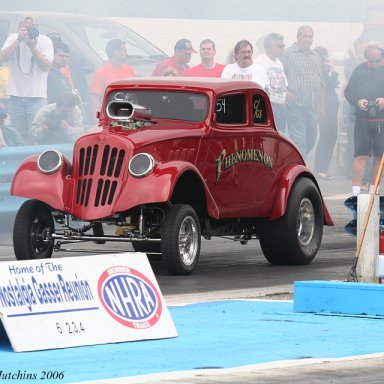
<point x="129" y="297"/>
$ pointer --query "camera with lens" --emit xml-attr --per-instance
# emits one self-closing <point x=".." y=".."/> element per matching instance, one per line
<point x="372" y="108"/>
<point x="33" y="33"/>
<point x="55" y="119"/>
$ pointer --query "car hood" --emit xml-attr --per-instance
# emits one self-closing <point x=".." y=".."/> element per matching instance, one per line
<point x="160" y="132"/>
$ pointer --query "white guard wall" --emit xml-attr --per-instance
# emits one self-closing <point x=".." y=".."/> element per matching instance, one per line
<point x="337" y="37"/>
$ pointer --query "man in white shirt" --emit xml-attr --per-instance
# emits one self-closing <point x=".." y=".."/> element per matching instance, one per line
<point x="244" y="68"/>
<point x="277" y="81"/>
<point x="30" y="57"/>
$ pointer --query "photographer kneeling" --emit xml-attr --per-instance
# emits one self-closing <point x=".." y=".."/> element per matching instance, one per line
<point x="58" y="123"/>
<point x="365" y="91"/>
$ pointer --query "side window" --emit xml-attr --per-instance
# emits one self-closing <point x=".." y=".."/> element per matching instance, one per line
<point x="258" y="109"/>
<point x="231" y="109"/>
<point x="4" y="31"/>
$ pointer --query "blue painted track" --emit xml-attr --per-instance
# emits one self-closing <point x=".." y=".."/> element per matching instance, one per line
<point x="221" y="334"/>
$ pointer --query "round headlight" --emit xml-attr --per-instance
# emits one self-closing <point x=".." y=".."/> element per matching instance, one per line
<point x="141" y="165"/>
<point x="50" y="162"/>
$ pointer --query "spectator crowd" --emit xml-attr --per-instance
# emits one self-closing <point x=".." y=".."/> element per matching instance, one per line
<point x="39" y="103"/>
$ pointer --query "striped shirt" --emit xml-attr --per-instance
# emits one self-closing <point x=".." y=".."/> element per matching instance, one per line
<point x="303" y="70"/>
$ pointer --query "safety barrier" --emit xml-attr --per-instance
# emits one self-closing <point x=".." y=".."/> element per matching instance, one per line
<point x="10" y="160"/>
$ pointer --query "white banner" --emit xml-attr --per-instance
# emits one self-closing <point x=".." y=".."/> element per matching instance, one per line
<point x="73" y="301"/>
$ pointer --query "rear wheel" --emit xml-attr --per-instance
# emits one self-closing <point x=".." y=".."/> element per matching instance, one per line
<point x="295" y="238"/>
<point x="180" y="240"/>
<point x="32" y="231"/>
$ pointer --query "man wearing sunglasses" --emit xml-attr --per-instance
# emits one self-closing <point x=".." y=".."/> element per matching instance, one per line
<point x="177" y="65"/>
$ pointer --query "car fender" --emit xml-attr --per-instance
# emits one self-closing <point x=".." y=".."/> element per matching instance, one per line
<point x="52" y="189"/>
<point x="158" y="187"/>
<point x="287" y="180"/>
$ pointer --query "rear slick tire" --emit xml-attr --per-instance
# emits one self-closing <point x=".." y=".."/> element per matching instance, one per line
<point x="295" y="238"/>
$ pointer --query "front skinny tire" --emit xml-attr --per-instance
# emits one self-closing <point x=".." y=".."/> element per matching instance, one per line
<point x="180" y="240"/>
<point x="32" y="231"/>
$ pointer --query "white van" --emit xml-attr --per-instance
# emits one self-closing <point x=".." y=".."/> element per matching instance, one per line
<point x="87" y="38"/>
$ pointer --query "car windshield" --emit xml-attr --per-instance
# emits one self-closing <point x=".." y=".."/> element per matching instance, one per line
<point x="189" y="106"/>
<point x="98" y="34"/>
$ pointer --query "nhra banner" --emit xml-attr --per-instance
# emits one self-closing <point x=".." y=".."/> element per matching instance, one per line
<point x="67" y="302"/>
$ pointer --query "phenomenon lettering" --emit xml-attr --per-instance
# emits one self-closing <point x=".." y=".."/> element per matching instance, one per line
<point x="224" y="162"/>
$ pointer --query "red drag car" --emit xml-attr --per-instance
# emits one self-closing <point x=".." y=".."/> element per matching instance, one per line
<point x="176" y="159"/>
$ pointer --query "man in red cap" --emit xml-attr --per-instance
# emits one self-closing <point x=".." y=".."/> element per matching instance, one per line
<point x="177" y="65"/>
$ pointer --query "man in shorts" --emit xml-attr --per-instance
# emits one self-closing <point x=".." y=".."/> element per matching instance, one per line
<point x="365" y="91"/>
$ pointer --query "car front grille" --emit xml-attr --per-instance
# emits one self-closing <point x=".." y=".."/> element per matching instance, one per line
<point x="98" y="171"/>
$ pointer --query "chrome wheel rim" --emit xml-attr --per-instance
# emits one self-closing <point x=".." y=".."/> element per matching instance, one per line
<point x="305" y="222"/>
<point x="40" y="234"/>
<point x="188" y="240"/>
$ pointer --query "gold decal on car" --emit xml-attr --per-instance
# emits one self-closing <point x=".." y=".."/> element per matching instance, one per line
<point x="257" y="111"/>
<point x="224" y="162"/>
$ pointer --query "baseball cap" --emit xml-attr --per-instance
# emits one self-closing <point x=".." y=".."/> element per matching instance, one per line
<point x="3" y="109"/>
<point x="184" y="45"/>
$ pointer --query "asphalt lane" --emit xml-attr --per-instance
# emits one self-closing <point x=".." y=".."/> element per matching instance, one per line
<point x="228" y="270"/>
<point x="367" y="370"/>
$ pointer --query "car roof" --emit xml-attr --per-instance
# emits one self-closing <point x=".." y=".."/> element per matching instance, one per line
<point x="217" y="85"/>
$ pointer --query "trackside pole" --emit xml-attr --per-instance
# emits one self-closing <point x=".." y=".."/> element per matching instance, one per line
<point x="368" y="234"/>
<point x="368" y="231"/>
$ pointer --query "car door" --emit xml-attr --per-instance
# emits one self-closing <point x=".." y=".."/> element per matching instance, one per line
<point x="267" y="144"/>
<point x="243" y="157"/>
<point x="227" y="174"/>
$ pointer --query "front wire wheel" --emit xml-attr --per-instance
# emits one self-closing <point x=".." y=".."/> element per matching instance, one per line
<point x="32" y="231"/>
<point x="180" y="240"/>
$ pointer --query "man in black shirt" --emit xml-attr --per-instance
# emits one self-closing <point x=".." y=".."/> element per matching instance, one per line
<point x="57" y="82"/>
<point x="365" y="91"/>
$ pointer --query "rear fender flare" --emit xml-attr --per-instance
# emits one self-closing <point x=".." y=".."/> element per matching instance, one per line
<point x="287" y="180"/>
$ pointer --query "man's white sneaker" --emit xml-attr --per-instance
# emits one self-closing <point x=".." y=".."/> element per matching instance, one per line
<point x="355" y="190"/>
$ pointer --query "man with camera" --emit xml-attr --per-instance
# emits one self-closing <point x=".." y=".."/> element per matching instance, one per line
<point x="58" y="123"/>
<point x="30" y="56"/>
<point x="365" y="92"/>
